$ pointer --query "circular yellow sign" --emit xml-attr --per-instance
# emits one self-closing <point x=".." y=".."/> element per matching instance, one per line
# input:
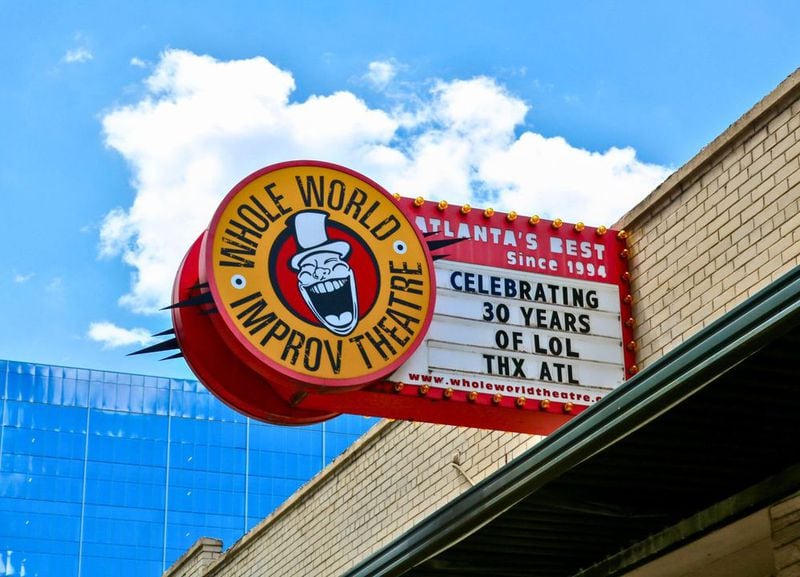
<point x="319" y="275"/>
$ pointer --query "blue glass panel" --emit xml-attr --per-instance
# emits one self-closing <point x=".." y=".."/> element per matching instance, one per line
<point x="19" y="384"/>
<point x="136" y="401"/>
<point x="96" y="565"/>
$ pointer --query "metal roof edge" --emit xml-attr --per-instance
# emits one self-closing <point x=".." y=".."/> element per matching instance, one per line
<point x="682" y="372"/>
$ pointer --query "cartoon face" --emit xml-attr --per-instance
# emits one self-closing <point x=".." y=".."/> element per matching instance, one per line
<point x="327" y="284"/>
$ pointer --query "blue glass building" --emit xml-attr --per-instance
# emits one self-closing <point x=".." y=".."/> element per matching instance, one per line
<point x="104" y="472"/>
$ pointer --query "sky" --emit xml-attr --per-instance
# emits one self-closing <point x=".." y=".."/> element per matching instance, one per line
<point x="123" y="124"/>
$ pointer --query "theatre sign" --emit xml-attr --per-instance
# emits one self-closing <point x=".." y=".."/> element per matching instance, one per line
<point x="315" y="292"/>
<point x="526" y="308"/>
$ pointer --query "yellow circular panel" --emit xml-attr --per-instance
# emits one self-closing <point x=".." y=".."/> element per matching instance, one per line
<point x="319" y="275"/>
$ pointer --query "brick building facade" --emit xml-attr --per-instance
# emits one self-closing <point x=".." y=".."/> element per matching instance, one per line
<point x="715" y="232"/>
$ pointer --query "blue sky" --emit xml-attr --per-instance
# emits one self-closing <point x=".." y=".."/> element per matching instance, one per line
<point x="124" y="122"/>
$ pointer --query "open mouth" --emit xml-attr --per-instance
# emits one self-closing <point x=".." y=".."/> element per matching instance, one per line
<point x="334" y="302"/>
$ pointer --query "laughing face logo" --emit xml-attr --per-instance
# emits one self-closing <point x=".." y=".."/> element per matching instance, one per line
<point x="324" y="278"/>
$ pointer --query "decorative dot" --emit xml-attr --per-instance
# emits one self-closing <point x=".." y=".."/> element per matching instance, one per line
<point x="442" y="205"/>
<point x="238" y="281"/>
<point x="400" y="247"/>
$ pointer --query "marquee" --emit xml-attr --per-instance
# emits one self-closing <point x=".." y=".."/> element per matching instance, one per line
<point x="315" y="292"/>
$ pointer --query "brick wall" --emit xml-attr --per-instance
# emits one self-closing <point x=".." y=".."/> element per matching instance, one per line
<point x="720" y="228"/>
<point x="785" y="518"/>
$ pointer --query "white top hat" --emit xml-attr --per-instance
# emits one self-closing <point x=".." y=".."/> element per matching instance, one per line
<point x="312" y="237"/>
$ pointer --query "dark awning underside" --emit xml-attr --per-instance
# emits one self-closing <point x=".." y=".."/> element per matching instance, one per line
<point x="705" y="435"/>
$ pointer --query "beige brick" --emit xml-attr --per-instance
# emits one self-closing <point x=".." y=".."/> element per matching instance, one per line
<point x="731" y="161"/>
<point x="755" y="139"/>
<point x="786" y="535"/>
<point x="794" y="121"/>
<point x="756" y="168"/>
<point x="780" y="119"/>
<point x="787" y="168"/>
<point x="786" y="144"/>
<point x="791" y="571"/>
<point x="784" y="521"/>
<point x="753" y="207"/>
<point x="725" y="231"/>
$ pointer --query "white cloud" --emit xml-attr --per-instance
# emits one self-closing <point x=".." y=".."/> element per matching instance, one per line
<point x="205" y="124"/>
<point x="78" y="55"/>
<point x="55" y="286"/>
<point x="112" y="336"/>
<point x="569" y="182"/>
<point x="381" y="72"/>
<point x="20" y="278"/>
<point x="138" y="62"/>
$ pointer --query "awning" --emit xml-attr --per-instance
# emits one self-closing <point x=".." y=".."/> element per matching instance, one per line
<point x="702" y="437"/>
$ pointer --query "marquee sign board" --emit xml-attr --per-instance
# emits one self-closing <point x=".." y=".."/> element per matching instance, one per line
<point x="315" y="292"/>
<point x="524" y="309"/>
